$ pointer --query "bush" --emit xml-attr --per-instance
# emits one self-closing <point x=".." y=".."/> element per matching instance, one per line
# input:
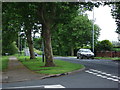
<point x="11" y="49"/>
<point x="104" y="45"/>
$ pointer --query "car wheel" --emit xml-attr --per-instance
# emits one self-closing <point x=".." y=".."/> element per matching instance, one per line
<point x="81" y="57"/>
<point x="92" y="57"/>
<point x="77" y="57"/>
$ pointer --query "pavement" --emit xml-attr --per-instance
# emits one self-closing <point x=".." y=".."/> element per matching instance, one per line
<point x="17" y="72"/>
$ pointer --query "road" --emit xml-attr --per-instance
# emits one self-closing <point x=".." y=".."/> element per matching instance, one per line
<point x="98" y="74"/>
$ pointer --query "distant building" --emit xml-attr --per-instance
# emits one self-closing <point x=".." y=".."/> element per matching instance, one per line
<point x="115" y="43"/>
<point x="37" y="36"/>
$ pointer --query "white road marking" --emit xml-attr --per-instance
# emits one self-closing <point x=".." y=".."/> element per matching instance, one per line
<point x="115" y="79"/>
<point x="99" y="75"/>
<point x="24" y="87"/>
<point x="41" y="86"/>
<point x="54" y="86"/>
<point x="91" y="72"/>
<point x="110" y="78"/>
<point x="103" y="75"/>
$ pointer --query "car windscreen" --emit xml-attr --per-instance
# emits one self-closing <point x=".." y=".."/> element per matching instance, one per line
<point x="85" y="51"/>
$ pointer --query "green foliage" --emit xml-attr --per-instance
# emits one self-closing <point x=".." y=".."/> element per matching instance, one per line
<point x="37" y="43"/>
<point x="116" y="14"/>
<point x="104" y="45"/>
<point x="11" y="23"/>
<point x="28" y="15"/>
<point x="116" y="49"/>
<point x="11" y="49"/>
<point x="77" y="33"/>
<point x="38" y="66"/>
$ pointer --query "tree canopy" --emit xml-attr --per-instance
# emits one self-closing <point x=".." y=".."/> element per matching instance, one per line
<point x="116" y="15"/>
<point x="115" y="11"/>
<point x="59" y="20"/>
<point x="73" y="35"/>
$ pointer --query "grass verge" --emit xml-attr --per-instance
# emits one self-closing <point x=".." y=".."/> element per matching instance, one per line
<point x="37" y="66"/>
<point x="108" y="58"/>
<point x="4" y="63"/>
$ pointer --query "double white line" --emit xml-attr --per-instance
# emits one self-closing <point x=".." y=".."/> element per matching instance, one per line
<point x="103" y="75"/>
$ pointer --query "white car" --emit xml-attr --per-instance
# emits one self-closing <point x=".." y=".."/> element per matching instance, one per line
<point x="85" y="53"/>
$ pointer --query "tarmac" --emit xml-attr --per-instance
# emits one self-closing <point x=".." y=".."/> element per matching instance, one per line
<point x="17" y="72"/>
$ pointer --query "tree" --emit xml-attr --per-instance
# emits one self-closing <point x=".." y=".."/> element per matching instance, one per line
<point x="116" y="14"/>
<point x="104" y="45"/>
<point x="50" y="17"/>
<point x="46" y="15"/>
<point x="11" y="49"/>
<point x="76" y="33"/>
<point x="115" y="11"/>
<point x="62" y="42"/>
<point x="28" y="12"/>
<point x="10" y="25"/>
<point x="20" y="15"/>
<point x="37" y="43"/>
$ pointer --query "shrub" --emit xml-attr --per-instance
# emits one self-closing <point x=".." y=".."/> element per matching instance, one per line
<point x="104" y="45"/>
<point x="11" y="49"/>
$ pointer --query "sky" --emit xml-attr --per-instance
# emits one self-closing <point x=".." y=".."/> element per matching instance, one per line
<point x="105" y="21"/>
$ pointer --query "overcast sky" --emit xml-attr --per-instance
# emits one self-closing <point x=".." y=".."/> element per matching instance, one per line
<point x="105" y="21"/>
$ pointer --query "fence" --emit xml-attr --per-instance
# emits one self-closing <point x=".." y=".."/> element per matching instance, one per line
<point x="108" y="54"/>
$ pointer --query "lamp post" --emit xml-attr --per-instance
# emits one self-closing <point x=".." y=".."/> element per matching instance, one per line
<point x="18" y="43"/>
<point x="93" y="32"/>
<point x="42" y="50"/>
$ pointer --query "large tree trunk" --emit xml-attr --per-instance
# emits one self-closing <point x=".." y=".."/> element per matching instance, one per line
<point x="30" y="44"/>
<point x="46" y="34"/>
<point x="72" y="51"/>
<point x="47" y="46"/>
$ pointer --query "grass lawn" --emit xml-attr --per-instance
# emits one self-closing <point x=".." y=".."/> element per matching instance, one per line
<point x="37" y="65"/>
<point x="108" y="58"/>
<point x="4" y="63"/>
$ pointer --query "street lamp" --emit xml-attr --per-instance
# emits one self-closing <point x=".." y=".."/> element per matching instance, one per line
<point x="20" y="37"/>
<point x="93" y="31"/>
<point x="18" y="43"/>
<point x="42" y="50"/>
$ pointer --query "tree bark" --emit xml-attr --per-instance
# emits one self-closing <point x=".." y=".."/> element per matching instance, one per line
<point x="30" y="44"/>
<point x="72" y="51"/>
<point x="46" y="34"/>
<point x="47" y="46"/>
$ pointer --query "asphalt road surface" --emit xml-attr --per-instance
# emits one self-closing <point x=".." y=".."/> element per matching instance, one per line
<point x="98" y="74"/>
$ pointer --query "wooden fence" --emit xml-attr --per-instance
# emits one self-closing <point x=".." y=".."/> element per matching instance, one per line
<point x="108" y="54"/>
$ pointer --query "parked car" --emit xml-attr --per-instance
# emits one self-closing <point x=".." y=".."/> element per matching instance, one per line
<point x="85" y="53"/>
